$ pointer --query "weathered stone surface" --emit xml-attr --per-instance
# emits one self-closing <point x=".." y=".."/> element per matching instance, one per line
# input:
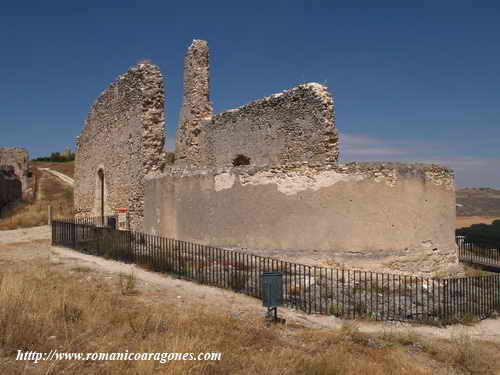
<point x="10" y="186"/>
<point x="123" y="137"/>
<point x="263" y="176"/>
<point x="18" y="158"/>
<point x="196" y="106"/>
<point x="294" y="125"/>
<point x="384" y="216"/>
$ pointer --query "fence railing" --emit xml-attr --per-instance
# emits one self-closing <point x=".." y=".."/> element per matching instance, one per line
<point x="478" y="254"/>
<point x="340" y="292"/>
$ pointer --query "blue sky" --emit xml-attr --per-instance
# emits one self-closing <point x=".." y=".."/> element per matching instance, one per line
<point x="415" y="83"/>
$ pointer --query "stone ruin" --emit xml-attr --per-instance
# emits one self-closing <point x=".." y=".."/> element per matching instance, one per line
<point x="14" y="171"/>
<point x="10" y="186"/>
<point x="17" y="158"/>
<point x="264" y="177"/>
<point x="121" y="143"/>
<point x="297" y="125"/>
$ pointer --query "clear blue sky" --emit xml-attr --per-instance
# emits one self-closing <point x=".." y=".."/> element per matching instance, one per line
<point x="410" y="83"/>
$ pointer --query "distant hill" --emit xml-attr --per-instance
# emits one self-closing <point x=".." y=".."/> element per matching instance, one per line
<point x="478" y="202"/>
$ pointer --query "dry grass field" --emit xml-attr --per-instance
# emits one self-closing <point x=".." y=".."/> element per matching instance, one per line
<point x="47" y="302"/>
<point x="467" y="221"/>
<point x="49" y="191"/>
<point x="478" y="202"/>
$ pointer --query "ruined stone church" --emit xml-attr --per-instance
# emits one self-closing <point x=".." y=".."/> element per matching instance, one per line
<point x="262" y="176"/>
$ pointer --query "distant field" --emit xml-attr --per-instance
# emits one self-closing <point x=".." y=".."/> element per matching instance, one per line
<point x="481" y="202"/>
<point x="68" y="168"/>
<point x="467" y="221"/>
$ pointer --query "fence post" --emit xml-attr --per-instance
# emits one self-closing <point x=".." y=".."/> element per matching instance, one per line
<point x="73" y="225"/>
<point x="445" y="300"/>
<point x="49" y="214"/>
<point x="53" y="230"/>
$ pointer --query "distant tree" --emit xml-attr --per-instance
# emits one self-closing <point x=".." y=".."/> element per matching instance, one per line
<point x="56" y="157"/>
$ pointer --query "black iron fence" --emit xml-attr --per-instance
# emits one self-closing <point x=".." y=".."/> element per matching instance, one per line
<point x="479" y="254"/>
<point x="340" y="292"/>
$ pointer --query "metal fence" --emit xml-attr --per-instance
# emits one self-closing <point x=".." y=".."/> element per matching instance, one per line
<point x="478" y="254"/>
<point x="340" y="292"/>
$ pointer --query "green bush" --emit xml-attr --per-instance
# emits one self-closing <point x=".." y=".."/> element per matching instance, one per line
<point x="482" y="234"/>
<point x="56" y="157"/>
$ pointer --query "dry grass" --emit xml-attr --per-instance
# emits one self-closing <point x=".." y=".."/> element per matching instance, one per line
<point x="24" y="214"/>
<point x="473" y="272"/>
<point x="467" y="221"/>
<point x="50" y="191"/>
<point x="42" y="309"/>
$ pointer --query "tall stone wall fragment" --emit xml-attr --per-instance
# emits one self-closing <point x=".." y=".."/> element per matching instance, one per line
<point x="124" y="139"/>
<point x="196" y="106"/>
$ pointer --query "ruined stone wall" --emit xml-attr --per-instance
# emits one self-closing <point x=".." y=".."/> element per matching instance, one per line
<point x="123" y="137"/>
<point x="385" y="217"/>
<point x="196" y="106"/>
<point x="18" y="158"/>
<point x="295" y="125"/>
<point x="10" y="186"/>
<point x="291" y="196"/>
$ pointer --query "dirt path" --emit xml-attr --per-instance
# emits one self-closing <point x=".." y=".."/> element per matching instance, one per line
<point x="48" y="186"/>
<point x="25" y="235"/>
<point x="23" y="244"/>
<point x="66" y="179"/>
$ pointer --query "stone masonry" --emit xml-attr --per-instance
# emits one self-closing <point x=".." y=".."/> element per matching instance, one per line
<point x="10" y="186"/>
<point x="296" y="125"/>
<point x="196" y="106"/>
<point x="264" y="176"/>
<point x="18" y="158"/>
<point x="123" y="140"/>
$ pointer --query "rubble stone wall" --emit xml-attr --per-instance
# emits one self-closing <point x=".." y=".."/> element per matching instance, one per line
<point x="18" y="158"/>
<point x="10" y="186"/>
<point x="124" y="137"/>
<point x="295" y="125"/>
<point x="196" y="107"/>
<point x="264" y="177"/>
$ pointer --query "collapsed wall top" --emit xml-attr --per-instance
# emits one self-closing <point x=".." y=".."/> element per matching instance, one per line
<point x="292" y="126"/>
